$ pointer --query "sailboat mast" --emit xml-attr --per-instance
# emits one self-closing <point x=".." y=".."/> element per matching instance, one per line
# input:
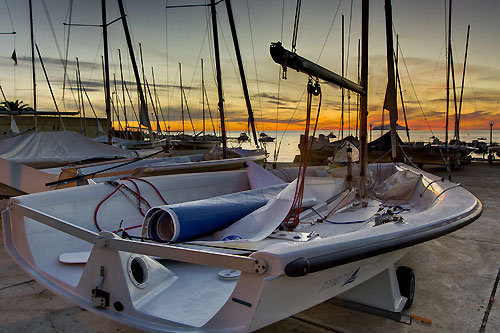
<point x="363" y="112"/>
<point x="79" y="100"/>
<point x="116" y="104"/>
<point x="357" y="96"/>
<point x="448" y="81"/>
<point x="219" y="79"/>
<point x="155" y="111"/>
<point x="400" y="89"/>
<point x="157" y="104"/>
<point x="242" y="70"/>
<point x="50" y="87"/>
<point x="391" y="95"/>
<point x="123" y="94"/>
<point x="80" y="95"/>
<point x="143" y="112"/>
<point x="203" y="94"/>
<point x="457" y="120"/>
<point x="342" y="89"/>
<point x="107" y="95"/>
<point x="143" y="75"/>
<point x="182" y="99"/>
<point x="33" y="63"/>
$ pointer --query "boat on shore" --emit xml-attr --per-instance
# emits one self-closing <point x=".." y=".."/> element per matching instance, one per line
<point x="244" y="285"/>
<point x="420" y="153"/>
<point x="202" y="162"/>
<point x="52" y="149"/>
<point x="322" y="148"/>
<point x="18" y="179"/>
<point x="235" y="251"/>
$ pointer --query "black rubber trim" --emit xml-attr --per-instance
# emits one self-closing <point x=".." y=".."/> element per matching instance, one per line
<point x="303" y="266"/>
<point x="237" y="300"/>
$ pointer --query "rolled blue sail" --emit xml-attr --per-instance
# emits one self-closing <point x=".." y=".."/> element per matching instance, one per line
<point x="188" y="220"/>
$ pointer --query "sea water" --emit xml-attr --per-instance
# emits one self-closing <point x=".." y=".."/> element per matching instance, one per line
<point x="285" y="144"/>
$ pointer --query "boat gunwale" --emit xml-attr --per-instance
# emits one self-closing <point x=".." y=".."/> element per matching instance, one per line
<point x="374" y="246"/>
<point x="113" y="242"/>
<point x="201" y="164"/>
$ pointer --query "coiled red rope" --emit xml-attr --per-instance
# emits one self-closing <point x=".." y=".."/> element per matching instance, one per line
<point x="136" y="193"/>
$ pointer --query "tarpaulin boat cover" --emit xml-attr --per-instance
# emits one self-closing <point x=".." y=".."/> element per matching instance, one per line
<point x="45" y="149"/>
<point x="384" y="142"/>
<point x="400" y="186"/>
<point x="115" y="140"/>
<point x="341" y="156"/>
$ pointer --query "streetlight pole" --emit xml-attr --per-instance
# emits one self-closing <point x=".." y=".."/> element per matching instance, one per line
<point x="491" y="133"/>
<point x="490" y="151"/>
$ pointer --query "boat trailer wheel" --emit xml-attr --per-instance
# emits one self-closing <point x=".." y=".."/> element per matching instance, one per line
<point x="406" y="281"/>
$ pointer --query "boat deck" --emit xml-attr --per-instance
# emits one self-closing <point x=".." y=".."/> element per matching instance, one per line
<point x="455" y="277"/>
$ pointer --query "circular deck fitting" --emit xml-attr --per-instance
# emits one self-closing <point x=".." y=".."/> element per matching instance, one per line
<point x="229" y="274"/>
<point x="138" y="271"/>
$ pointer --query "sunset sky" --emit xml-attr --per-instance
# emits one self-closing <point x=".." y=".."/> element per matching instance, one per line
<point x="182" y="35"/>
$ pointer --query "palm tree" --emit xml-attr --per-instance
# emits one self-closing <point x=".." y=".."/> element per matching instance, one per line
<point x="15" y="106"/>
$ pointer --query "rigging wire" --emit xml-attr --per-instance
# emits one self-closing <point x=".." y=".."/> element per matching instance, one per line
<point x="93" y="65"/>
<point x="348" y="40"/>
<point x="57" y="44"/>
<point x="339" y="222"/>
<point x="347" y="68"/>
<point x="436" y="65"/>
<point x="14" y="35"/>
<point x="23" y="65"/>
<point x="282" y="18"/>
<point x="278" y="145"/>
<point x="205" y="96"/>
<point x="232" y="64"/>
<point x="296" y="26"/>
<point x="210" y="43"/>
<point x="255" y="67"/>
<point x="414" y="91"/>
<point x="170" y="97"/>
<point x="196" y="66"/>
<point x="329" y="31"/>
<point x="197" y="62"/>
<point x="10" y="18"/>
<point x="157" y="98"/>
<point x="131" y="103"/>
<point x="211" y="53"/>
<point x="69" y="15"/>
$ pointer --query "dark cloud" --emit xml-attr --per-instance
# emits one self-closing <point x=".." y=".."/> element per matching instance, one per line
<point x="435" y="114"/>
<point x="84" y="65"/>
<point x="274" y="98"/>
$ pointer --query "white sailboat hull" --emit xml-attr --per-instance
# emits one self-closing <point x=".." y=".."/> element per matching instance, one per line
<point x="180" y="287"/>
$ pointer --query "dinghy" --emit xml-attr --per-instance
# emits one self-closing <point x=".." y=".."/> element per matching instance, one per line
<point x="213" y="283"/>
<point x="145" y="167"/>
<point x="51" y="149"/>
<point x="234" y="251"/>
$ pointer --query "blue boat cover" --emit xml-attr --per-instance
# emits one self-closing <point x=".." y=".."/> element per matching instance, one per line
<point x="187" y="220"/>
